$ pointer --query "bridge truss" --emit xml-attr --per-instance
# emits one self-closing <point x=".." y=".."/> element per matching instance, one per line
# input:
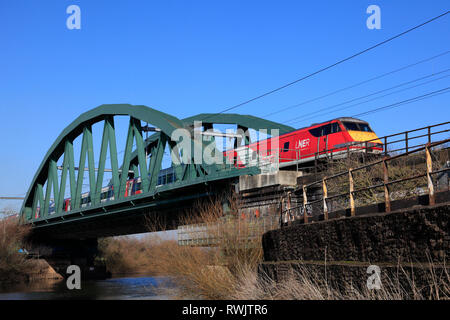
<point x="45" y="202"/>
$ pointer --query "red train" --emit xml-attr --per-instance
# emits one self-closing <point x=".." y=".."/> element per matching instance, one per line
<point x="302" y="145"/>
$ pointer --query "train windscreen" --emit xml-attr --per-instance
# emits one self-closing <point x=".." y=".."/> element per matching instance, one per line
<point x="357" y="126"/>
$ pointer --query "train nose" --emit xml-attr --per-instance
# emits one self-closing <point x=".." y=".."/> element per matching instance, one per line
<point x="364" y="136"/>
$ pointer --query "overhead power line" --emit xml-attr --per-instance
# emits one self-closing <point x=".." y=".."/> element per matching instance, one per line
<point x="385" y="95"/>
<point x="407" y="101"/>
<point x="356" y="84"/>
<point x="332" y="65"/>
<point x="332" y="108"/>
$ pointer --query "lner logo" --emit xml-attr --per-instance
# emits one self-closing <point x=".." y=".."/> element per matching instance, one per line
<point x="301" y="144"/>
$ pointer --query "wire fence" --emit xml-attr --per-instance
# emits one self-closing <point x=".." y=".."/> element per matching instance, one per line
<point x="421" y="171"/>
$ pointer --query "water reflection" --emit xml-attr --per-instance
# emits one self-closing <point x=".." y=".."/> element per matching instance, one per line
<point x="122" y="288"/>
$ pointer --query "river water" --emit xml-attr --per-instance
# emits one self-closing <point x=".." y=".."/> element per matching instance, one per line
<point x="117" y="288"/>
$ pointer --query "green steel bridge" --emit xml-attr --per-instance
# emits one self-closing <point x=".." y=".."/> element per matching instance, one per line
<point x="44" y="207"/>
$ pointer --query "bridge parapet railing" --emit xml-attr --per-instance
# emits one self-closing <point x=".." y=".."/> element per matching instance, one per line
<point x="421" y="171"/>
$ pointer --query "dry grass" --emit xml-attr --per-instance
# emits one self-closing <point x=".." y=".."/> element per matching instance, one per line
<point x="237" y="238"/>
<point x="203" y="273"/>
<point x="210" y="272"/>
<point x="198" y="272"/>
<point x="304" y="284"/>
<point x="125" y="255"/>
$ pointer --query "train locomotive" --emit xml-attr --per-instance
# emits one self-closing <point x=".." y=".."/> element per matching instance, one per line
<point x="331" y="139"/>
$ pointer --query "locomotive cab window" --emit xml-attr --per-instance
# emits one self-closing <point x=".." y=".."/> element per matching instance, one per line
<point x="316" y="132"/>
<point x="356" y="126"/>
<point x="335" y="128"/>
<point x="364" y="127"/>
<point x="286" y="147"/>
<point x="325" y="130"/>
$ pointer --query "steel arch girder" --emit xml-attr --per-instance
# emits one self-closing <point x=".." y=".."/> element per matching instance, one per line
<point x="163" y="121"/>
<point x="246" y="121"/>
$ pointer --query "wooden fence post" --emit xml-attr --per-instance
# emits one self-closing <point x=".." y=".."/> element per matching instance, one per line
<point x="289" y="207"/>
<point x="305" y="201"/>
<point x="281" y="211"/>
<point x="387" y="197"/>
<point x="325" y="196"/>
<point x="429" y="171"/>
<point x="352" y="188"/>
<point x="429" y="135"/>
<point x="406" y="141"/>
<point x="366" y="152"/>
<point x="385" y="146"/>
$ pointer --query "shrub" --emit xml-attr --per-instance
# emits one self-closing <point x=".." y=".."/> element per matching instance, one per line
<point x="12" y="237"/>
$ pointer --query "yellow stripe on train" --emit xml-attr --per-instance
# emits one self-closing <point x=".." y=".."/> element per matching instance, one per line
<point x="364" y="136"/>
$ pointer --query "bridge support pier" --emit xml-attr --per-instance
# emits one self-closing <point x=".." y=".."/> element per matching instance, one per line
<point x="62" y="253"/>
<point x="266" y="195"/>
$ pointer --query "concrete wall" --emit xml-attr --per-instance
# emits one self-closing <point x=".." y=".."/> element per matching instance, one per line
<point x="406" y="238"/>
<point x="405" y="234"/>
<point x="283" y="178"/>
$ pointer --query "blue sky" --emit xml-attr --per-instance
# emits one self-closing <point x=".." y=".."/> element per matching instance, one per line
<point x="188" y="57"/>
